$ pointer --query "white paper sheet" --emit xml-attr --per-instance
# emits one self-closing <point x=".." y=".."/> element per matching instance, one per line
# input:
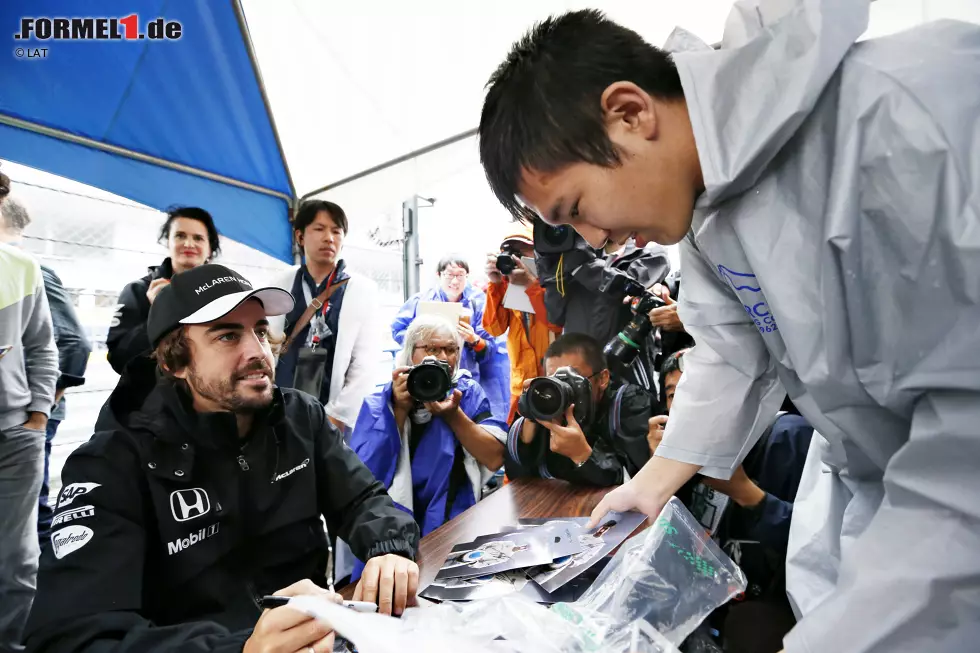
<point x="515" y="298"/>
<point x="449" y="310"/>
<point x="376" y="633"/>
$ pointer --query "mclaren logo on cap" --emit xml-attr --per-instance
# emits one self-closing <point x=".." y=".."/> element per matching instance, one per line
<point x="218" y="280"/>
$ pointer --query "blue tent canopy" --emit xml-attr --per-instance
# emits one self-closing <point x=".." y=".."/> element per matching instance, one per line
<point x="163" y="123"/>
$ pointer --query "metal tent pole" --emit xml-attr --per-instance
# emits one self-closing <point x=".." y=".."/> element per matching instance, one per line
<point x="393" y="162"/>
<point x="68" y="137"/>
<point x="247" y="40"/>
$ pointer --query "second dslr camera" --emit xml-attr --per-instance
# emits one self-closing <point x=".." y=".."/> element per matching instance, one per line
<point x="547" y="398"/>
<point x="430" y="380"/>
<point x="506" y="259"/>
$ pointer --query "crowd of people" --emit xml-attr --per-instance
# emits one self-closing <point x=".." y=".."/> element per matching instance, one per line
<point x="797" y="395"/>
<point x="223" y="386"/>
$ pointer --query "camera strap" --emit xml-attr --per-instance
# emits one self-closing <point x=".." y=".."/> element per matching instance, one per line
<point x="616" y="412"/>
<point x="315" y="305"/>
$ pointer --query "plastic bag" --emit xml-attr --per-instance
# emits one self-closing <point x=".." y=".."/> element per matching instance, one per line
<point x="517" y="624"/>
<point x="649" y="598"/>
<point x="672" y="578"/>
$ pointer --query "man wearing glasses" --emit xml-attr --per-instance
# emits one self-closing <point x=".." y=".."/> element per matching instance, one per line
<point x="478" y="345"/>
<point x="433" y="457"/>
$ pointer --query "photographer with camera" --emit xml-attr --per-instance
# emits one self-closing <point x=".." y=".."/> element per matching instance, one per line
<point x="570" y="271"/>
<point x="429" y="435"/>
<point x="585" y="290"/>
<point x="528" y="334"/>
<point x="575" y="423"/>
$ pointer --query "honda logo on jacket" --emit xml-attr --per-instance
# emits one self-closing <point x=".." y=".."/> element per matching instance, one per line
<point x="189" y="504"/>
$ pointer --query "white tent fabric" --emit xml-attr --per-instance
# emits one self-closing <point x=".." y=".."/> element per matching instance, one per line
<point x="353" y="84"/>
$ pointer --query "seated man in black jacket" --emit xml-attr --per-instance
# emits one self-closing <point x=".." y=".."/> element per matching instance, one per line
<point x="597" y="452"/>
<point x="173" y="523"/>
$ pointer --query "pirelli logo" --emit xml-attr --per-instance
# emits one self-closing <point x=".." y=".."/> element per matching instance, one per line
<point x="72" y="514"/>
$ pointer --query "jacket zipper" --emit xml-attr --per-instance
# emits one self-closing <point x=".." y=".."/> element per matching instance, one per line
<point x="243" y="488"/>
<point x="275" y="467"/>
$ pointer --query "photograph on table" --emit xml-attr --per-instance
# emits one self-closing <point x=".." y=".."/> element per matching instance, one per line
<point x="597" y="544"/>
<point x="476" y="587"/>
<point x="516" y="549"/>
<point x="569" y="592"/>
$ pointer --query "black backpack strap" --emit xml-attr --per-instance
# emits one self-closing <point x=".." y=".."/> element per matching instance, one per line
<point x="615" y="412"/>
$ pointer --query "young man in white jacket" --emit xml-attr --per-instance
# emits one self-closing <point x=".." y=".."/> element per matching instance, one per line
<point x="826" y="195"/>
<point x="342" y="327"/>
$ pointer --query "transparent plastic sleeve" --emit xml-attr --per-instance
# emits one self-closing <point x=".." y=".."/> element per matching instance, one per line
<point x="655" y="592"/>
<point x="672" y="578"/>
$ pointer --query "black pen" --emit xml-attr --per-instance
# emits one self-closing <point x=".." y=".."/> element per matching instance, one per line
<point x="269" y="602"/>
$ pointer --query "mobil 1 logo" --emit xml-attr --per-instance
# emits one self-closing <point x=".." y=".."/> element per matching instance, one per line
<point x="183" y="543"/>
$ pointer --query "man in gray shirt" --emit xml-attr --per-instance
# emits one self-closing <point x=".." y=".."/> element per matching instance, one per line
<point x="69" y="338"/>
<point x="28" y="375"/>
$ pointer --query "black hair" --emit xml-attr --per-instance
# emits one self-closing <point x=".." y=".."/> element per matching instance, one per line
<point x="671" y="364"/>
<point x="452" y="259"/>
<point x="543" y="106"/>
<point x="309" y="209"/>
<point x="193" y="213"/>
<point x="579" y="343"/>
<point x="4" y="186"/>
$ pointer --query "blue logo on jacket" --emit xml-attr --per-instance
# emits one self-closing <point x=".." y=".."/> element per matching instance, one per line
<point x="740" y="280"/>
<point x="757" y="310"/>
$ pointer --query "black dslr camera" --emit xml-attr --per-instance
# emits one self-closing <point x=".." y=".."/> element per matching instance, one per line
<point x="548" y="397"/>
<point x="430" y="380"/>
<point x="552" y="240"/>
<point x="505" y="259"/>
<point x="623" y="348"/>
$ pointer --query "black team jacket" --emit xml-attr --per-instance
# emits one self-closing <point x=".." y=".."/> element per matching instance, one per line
<point x="170" y="527"/>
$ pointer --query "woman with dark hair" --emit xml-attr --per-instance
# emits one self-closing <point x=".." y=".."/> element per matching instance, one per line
<point x="191" y="240"/>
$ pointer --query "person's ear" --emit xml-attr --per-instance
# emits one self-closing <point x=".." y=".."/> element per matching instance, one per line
<point x="180" y="374"/>
<point x="628" y="109"/>
<point x="299" y="237"/>
<point x="604" y="380"/>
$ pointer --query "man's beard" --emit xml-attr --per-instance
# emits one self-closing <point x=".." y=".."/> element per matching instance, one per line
<point x="225" y="393"/>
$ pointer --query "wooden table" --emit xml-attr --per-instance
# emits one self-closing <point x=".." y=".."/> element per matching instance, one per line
<point x="524" y="498"/>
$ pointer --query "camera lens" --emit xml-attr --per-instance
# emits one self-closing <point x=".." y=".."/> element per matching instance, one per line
<point x="552" y="240"/>
<point x="505" y="263"/>
<point x="556" y="235"/>
<point x="428" y="383"/>
<point x="546" y="398"/>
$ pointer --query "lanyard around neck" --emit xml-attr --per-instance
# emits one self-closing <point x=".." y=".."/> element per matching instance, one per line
<point x="308" y="294"/>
